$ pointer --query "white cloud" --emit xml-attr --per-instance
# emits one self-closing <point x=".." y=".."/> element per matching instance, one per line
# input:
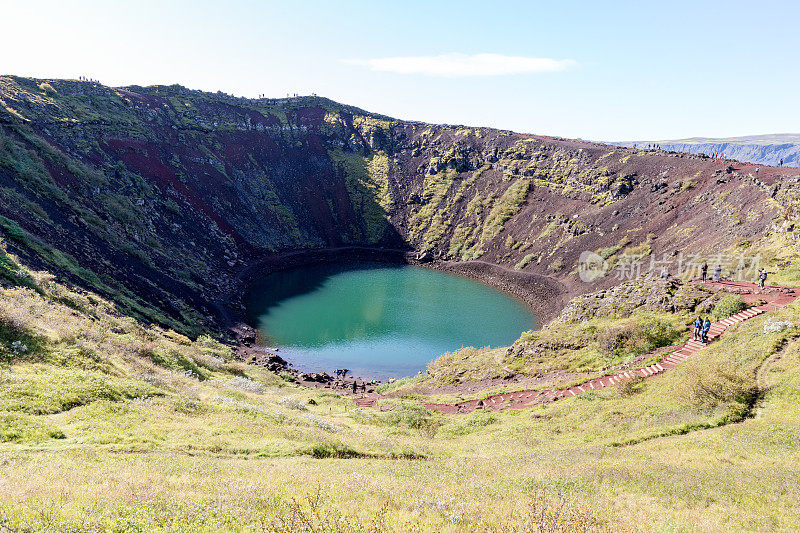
<point x="458" y="65"/>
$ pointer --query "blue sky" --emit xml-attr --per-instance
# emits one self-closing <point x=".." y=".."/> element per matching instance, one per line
<point x="595" y="70"/>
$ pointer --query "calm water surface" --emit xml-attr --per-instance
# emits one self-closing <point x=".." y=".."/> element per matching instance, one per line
<point x="380" y="321"/>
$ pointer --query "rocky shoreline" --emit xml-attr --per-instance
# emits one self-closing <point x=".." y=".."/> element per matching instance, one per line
<point x="545" y="296"/>
<point x="255" y="355"/>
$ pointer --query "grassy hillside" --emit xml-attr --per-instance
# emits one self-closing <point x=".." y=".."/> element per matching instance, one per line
<point x="109" y="425"/>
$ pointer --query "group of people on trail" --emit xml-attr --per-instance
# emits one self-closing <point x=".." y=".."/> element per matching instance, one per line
<point x="717" y="273"/>
<point x="363" y="385"/>
<point x="342" y="374"/>
<point x="762" y="275"/>
<point x="701" y="328"/>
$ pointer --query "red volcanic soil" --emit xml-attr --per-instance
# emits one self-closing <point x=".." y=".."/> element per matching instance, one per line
<point x="138" y="156"/>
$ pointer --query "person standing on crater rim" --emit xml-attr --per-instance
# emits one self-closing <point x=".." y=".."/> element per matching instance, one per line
<point x="762" y="277"/>
<point x="704" y="271"/>
<point x="717" y="273"/>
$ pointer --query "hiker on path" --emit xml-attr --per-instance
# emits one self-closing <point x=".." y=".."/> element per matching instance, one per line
<point x="704" y="270"/>
<point x="698" y="327"/>
<point x="706" y="327"/>
<point x="355" y="386"/>
<point x="762" y="277"/>
<point x="717" y="273"/>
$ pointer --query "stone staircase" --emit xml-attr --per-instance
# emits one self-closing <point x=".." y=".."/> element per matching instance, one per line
<point x="530" y="398"/>
<point x="691" y="347"/>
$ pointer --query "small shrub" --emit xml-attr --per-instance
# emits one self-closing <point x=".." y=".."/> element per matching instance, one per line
<point x="362" y="415"/>
<point x="47" y="89"/>
<point x="638" y="337"/>
<point x="287" y="376"/>
<point x="245" y="384"/>
<point x="172" y="359"/>
<point x="239" y="404"/>
<point x="658" y="333"/>
<point x="152" y="379"/>
<point x="188" y="406"/>
<point x="776" y="326"/>
<point x="525" y="261"/>
<point x="13" y="230"/>
<point x="614" y="337"/>
<point x="12" y="272"/>
<point x="719" y="384"/>
<point x="729" y="305"/>
<point x="605" y="253"/>
<point x="318" y="421"/>
<point x="183" y="340"/>
<point x="314" y="514"/>
<point x="209" y="361"/>
<point x="415" y="417"/>
<point x="328" y="450"/>
<point x="16" y="340"/>
<point x="210" y="346"/>
<point x="630" y="386"/>
<point x="707" y="305"/>
<point x="233" y="367"/>
<point x="290" y="402"/>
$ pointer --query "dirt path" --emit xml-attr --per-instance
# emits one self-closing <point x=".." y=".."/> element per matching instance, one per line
<point x="762" y="378"/>
<point x="763" y="369"/>
<point x="775" y="297"/>
<point x="762" y="372"/>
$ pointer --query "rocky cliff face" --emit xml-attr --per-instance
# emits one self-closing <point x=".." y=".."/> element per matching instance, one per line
<point x="163" y="198"/>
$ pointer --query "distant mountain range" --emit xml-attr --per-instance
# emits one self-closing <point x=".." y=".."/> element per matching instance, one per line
<point x="760" y="149"/>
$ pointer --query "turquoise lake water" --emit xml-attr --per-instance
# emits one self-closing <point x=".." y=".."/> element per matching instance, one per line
<point x="379" y="320"/>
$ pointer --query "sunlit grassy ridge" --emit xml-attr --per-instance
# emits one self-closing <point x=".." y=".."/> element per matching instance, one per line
<point x="109" y="425"/>
<point x="595" y="332"/>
